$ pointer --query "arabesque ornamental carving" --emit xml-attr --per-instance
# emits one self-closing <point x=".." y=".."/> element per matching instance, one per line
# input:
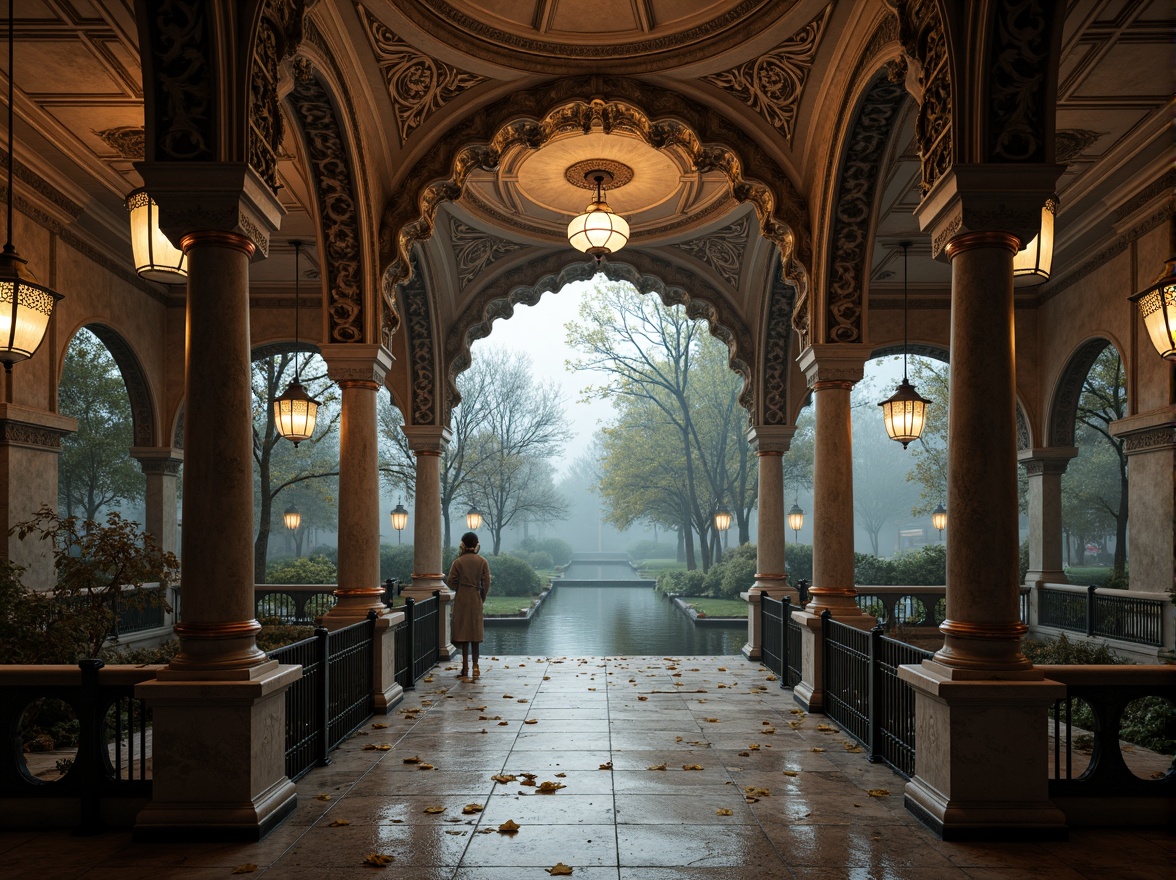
<point x="722" y="250"/>
<point x="776" y="360"/>
<point x="278" y="34"/>
<point x="330" y="166"/>
<point x="773" y="84"/>
<point x="418" y="85"/>
<point x="422" y="374"/>
<point x="474" y="251"/>
<point x="921" y="32"/>
<point x="182" y="113"/>
<point x="126" y="140"/>
<point x="1019" y="57"/>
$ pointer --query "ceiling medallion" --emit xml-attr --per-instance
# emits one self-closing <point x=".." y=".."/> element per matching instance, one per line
<point x="617" y="174"/>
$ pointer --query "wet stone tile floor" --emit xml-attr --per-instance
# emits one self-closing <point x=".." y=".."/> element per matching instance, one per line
<point x="658" y="769"/>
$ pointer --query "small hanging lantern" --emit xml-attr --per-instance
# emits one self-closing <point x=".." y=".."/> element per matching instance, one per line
<point x="796" y="520"/>
<point x="1157" y="307"/>
<point x="292" y="518"/>
<point x="905" y="412"/>
<point x="473" y="518"/>
<point x="598" y="231"/>
<point x="399" y="519"/>
<point x="295" y="411"/>
<point x="939" y="518"/>
<point x="156" y="258"/>
<point x="1033" y="263"/>
<point x="722" y="518"/>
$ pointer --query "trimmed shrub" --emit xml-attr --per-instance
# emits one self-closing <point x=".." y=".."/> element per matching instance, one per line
<point x="559" y="549"/>
<point x="541" y="560"/>
<point x="799" y="560"/>
<point x="396" y="562"/>
<point x="738" y="574"/>
<point x="683" y="583"/>
<point x="307" y="570"/>
<point x="511" y="576"/>
<point x="925" y="567"/>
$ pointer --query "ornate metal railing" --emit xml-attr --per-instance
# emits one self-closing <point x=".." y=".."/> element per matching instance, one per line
<point x="425" y="634"/>
<point x="1126" y="615"/>
<point x="112" y="762"/>
<point x="794" y="652"/>
<point x="864" y="694"/>
<point x="773" y="635"/>
<point x="303" y="604"/>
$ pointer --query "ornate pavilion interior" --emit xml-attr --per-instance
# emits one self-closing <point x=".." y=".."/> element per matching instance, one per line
<point x="770" y="156"/>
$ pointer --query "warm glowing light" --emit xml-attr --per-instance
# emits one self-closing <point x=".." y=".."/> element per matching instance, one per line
<point x="722" y="519"/>
<point x="292" y="518"/>
<point x="904" y="414"/>
<point x="25" y="309"/>
<point x="295" y="413"/>
<point x="473" y="519"/>
<point x="1032" y="264"/>
<point x="399" y="517"/>
<point x="156" y="258"/>
<point x="1157" y="307"/>
<point x="796" y="518"/>
<point x="598" y="231"/>
<point x="939" y="518"/>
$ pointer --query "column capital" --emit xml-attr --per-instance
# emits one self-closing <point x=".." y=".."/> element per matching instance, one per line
<point x="771" y="439"/>
<point x="1148" y="432"/>
<point x="986" y="198"/>
<point x="1046" y="460"/>
<point x="162" y="460"/>
<point x="357" y="362"/>
<point x="427" y="439"/>
<point x="227" y="197"/>
<point x="825" y="362"/>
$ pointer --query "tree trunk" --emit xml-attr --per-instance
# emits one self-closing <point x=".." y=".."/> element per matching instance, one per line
<point x="261" y="545"/>
<point x="1121" y="530"/>
<point x="688" y="536"/>
<point x="681" y="553"/>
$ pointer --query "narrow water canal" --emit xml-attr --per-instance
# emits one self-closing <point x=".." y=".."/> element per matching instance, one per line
<point x="598" y="609"/>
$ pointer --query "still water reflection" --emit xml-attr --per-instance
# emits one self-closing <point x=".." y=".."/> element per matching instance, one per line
<point x="610" y="618"/>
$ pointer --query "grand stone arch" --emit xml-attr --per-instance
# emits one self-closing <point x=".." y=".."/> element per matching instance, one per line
<point x="648" y="273"/>
<point x="1063" y="411"/>
<point x="135" y="379"/>
<point x="532" y="118"/>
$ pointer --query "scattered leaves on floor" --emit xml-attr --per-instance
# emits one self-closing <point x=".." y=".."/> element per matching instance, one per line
<point x="415" y="759"/>
<point x="878" y="792"/>
<point x="795" y="725"/>
<point x="434" y="810"/>
<point x="691" y="766"/>
<point x="799" y="712"/>
<point x="608" y="765"/>
<point x="378" y="860"/>
<point x="656" y="767"/>
<point x="247" y="868"/>
<point x="756" y="792"/>
<point x="550" y="787"/>
<point x="825" y="728"/>
<point x="560" y="870"/>
<point x="852" y="747"/>
<point x="377" y="747"/>
<point x="510" y="826"/>
<point x="379" y="725"/>
<point x="471" y="809"/>
<point x="322" y="797"/>
<point x="504" y="777"/>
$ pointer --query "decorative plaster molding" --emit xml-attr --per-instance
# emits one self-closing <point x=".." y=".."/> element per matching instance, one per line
<point x="38" y="436"/>
<point x="920" y="30"/>
<point x="279" y="31"/>
<point x="418" y="85"/>
<point x="41" y="187"/>
<point x="167" y="467"/>
<point x="128" y="141"/>
<point x="1147" y="441"/>
<point x="1019" y="57"/>
<point x="1070" y="143"/>
<point x="1163" y="187"/>
<point x="776" y="360"/>
<point x="773" y="84"/>
<point x="181" y="51"/>
<point x="722" y="250"/>
<point x="474" y="250"/>
<point x="422" y="346"/>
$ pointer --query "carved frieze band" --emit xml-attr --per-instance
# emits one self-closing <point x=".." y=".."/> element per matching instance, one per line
<point x="278" y="34"/>
<point x="776" y="360"/>
<point x="166" y="467"/>
<point x="773" y="84"/>
<point x="722" y="250"/>
<point x="1146" y="441"/>
<point x="21" y="434"/>
<point x="474" y="251"/>
<point x="418" y="85"/>
<point x="920" y="30"/>
<point x="1017" y="80"/>
<point x="421" y="352"/>
<point x="1036" y="467"/>
<point x="184" y="128"/>
<point x="854" y="206"/>
<point x="330" y="166"/>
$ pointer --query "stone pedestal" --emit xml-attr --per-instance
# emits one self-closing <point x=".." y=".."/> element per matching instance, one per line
<point x="982" y="756"/>
<point x="387" y="692"/>
<point x="161" y="467"/>
<point x="1044" y="468"/>
<point x="30" y="441"/>
<point x="223" y="747"/>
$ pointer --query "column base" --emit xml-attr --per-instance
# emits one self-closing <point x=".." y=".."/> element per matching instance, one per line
<point x="387" y="692"/>
<point x="353" y="607"/>
<point x="981" y="756"/>
<point x="219" y="758"/>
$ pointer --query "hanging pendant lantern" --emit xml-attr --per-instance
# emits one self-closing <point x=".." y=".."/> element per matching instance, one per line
<point x="1033" y="263"/>
<point x="598" y="231"/>
<point x="723" y="518"/>
<point x="796" y="520"/>
<point x="473" y="518"/>
<point x="292" y="518"/>
<point x="905" y="412"/>
<point x="1157" y="306"/>
<point x="156" y="258"/>
<point x="295" y="411"/>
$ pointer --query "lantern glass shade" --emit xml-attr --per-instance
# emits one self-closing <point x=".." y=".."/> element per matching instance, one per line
<point x="598" y="231"/>
<point x="904" y="414"/>
<point x="25" y="310"/>
<point x="722" y="519"/>
<point x="399" y="517"/>
<point x="1157" y="307"/>
<point x="796" y="518"/>
<point x="292" y="518"/>
<point x="473" y="519"/>
<point x="1033" y="263"/>
<point x="295" y="413"/>
<point x="939" y="518"/>
<point x="156" y="258"/>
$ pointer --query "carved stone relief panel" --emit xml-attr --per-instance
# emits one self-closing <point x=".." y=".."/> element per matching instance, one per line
<point x="474" y="251"/>
<point x="184" y="126"/>
<point x="1019" y="60"/>
<point x="278" y="34"/>
<point x="920" y="30"/>
<point x="422" y="374"/>
<point x="776" y="360"/>
<point x="125" y="140"/>
<point x="330" y="168"/>
<point x="722" y="250"/>
<point x="418" y="85"/>
<point x="773" y="84"/>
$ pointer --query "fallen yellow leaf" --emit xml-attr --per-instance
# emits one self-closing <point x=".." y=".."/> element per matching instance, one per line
<point x="723" y="811"/>
<point x="753" y="791"/>
<point x="677" y="739"/>
<point x="795" y="724"/>
<point x="456" y="833"/>
<point x="745" y="754"/>
<point x="722" y="669"/>
<point x="509" y="827"/>
<point x="527" y="782"/>
<point x="561" y="776"/>
<point x="606" y="766"/>
<point x="322" y="797"/>
<point x="503" y="723"/>
<point x="424" y="766"/>
<point x="768" y="730"/>
<point x="754" y="747"/>
<point x="550" y="787"/>
<point x="817" y="750"/>
<point x="878" y="792"/>
<point x="504" y="777"/>
<point x="643" y="699"/>
<point x="413" y="760"/>
<point x="657" y="767"/>
<point x="379" y="860"/>
<point x="379" y="725"/>
<point x="772" y="678"/>
<point x="531" y="721"/>
<point x="247" y="868"/>
<point x="429" y="680"/>
<point x="691" y="766"/>
<point x="560" y="870"/>
<point x="339" y="823"/>
<point x="471" y="809"/>
<point x="794" y="712"/>
<point x="434" y="810"/>
<point x="713" y="720"/>
<point x="825" y="728"/>
<point x="790" y="773"/>
<point x="508" y="696"/>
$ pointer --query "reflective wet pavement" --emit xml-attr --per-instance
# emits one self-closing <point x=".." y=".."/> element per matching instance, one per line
<point x="770" y="793"/>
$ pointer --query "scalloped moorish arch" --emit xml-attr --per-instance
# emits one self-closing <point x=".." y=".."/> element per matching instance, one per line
<point x="526" y="284"/>
<point x="531" y="118"/>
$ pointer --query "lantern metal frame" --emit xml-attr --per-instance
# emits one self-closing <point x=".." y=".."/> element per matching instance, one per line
<point x="473" y="518"/>
<point x="939" y="519"/>
<point x="723" y="518"/>
<point x="796" y="521"/>
<point x="295" y="411"/>
<point x="292" y="517"/>
<point x="1157" y="308"/>
<point x="1033" y="264"/>
<point x="156" y="258"/>
<point x="399" y="517"/>
<point x="599" y="230"/>
<point x="904" y="413"/>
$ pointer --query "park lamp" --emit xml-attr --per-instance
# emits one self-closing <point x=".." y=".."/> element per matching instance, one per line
<point x="25" y="305"/>
<point x="156" y="258"/>
<point x="295" y="411"/>
<point x="292" y="518"/>
<point x="905" y="412"/>
<point x="1033" y="263"/>
<point x="399" y="519"/>
<point x="722" y="518"/>
<point x="796" y="520"/>
<point x="598" y="231"/>
<point x="473" y="518"/>
<point x="939" y="518"/>
<point x="1157" y="306"/>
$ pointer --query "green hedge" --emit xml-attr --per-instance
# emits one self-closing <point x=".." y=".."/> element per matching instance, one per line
<point x="306" y="570"/>
<point x="511" y="576"/>
<point x="926" y="566"/>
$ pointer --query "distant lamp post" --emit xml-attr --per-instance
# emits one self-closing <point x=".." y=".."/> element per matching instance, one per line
<point x="399" y="519"/>
<point x="292" y="518"/>
<point x="156" y="258"/>
<point x="796" y="521"/>
<point x="295" y="411"/>
<point x="722" y="518"/>
<point x="904" y="412"/>
<point x="1033" y="263"/>
<point x="473" y="518"/>
<point x="939" y="520"/>
<point x="1157" y="307"/>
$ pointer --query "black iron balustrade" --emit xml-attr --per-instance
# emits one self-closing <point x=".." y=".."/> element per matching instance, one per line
<point x="773" y="635"/>
<point x="794" y="651"/>
<point x="111" y="771"/>
<point x="425" y="635"/>
<point x="864" y="694"/>
<point x="1100" y="612"/>
<point x="299" y="605"/>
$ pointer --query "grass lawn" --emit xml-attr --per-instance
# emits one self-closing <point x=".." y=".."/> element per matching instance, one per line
<point x="717" y="607"/>
<point x="651" y="568"/>
<point x="506" y="606"/>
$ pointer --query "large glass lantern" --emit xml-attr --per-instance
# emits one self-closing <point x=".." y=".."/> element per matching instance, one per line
<point x="399" y="517"/>
<point x="904" y="414"/>
<point x="156" y="258"/>
<point x="1033" y="263"/>
<point x="292" y="518"/>
<point x="723" y="519"/>
<point x="25" y="309"/>
<point x="598" y="231"/>
<point x="295" y="413"/>
<point x="473" y="518"/>
<point x="1157" y="307"/>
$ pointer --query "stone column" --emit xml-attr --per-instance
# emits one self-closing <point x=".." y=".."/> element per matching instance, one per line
<point x="1044" y="468"/>
<point x="771" y="579"/>
<point x="359" y="371"/>
<point x="428" y="442"/>
<point x="219" y="706"/>
<point x="832" y="371"/>
<point x="982" y="749"/>
<point x="161" y="467"/>
<point x="30" y="442"/>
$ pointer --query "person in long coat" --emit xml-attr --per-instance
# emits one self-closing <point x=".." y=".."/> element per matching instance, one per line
<point x="469" y="579"/>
